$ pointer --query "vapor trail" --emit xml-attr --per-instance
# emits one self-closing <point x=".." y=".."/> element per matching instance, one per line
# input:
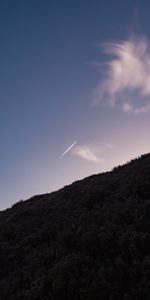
<point x="67" y="150"/>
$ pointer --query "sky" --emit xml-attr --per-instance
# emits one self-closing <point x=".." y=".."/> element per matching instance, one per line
<point x="74" y="91"/>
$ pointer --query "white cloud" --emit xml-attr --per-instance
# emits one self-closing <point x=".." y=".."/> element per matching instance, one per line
<point x="87" y="154"/>
<point x="127" y="72"/>
<point x="127" y="107"/>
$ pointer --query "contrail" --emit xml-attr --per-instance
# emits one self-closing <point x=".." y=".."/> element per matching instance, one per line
<point x="68" y="149"/>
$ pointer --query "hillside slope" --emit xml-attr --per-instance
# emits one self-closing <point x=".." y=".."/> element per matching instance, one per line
<point x="89" y="240"/>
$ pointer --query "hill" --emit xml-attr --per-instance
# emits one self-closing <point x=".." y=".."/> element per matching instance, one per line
<point x="89" y="240"/>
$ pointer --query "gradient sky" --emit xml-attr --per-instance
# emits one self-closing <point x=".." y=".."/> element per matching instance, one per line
<point x="71" y="71"/>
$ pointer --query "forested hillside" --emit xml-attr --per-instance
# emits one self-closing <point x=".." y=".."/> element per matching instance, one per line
<point x="89" y="240"/>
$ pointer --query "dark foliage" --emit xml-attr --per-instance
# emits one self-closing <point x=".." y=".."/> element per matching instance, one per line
<point x="89" y="240"/>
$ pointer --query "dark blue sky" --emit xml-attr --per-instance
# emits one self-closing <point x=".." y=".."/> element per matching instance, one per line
<point x="48" y="73"/>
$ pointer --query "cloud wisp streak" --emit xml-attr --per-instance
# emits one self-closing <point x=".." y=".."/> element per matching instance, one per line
<point x="126" y="82"/>
<point x="86" y="153"/>
<point x="68" y="149"/>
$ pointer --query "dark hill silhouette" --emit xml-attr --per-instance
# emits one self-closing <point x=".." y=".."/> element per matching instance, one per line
<point x="89" y="240"/>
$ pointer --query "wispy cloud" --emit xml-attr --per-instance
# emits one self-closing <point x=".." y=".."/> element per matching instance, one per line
<point x="86" y="153"/>
<point x="126" y="73"/>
